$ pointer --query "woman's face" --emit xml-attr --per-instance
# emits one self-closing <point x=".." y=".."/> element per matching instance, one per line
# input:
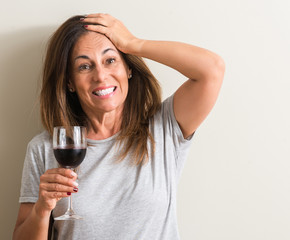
<point x="99" y="74"/>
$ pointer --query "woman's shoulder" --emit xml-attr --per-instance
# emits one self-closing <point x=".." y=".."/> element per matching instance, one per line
<point x="168" y="102"/>
<point x="166" y="107"/>
<point x="40" y="139"/>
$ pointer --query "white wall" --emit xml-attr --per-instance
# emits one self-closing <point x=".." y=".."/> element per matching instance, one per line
<point x="235" y="184"/>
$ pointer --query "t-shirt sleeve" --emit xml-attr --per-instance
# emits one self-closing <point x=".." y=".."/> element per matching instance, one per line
<point x="33" y="168"/>
<point x="181" y="144"/>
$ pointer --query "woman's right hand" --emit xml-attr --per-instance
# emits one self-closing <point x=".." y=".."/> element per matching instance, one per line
<point x="33" y="219"/>
<point x="55" y="184"/>
<point x="114" y="29"/>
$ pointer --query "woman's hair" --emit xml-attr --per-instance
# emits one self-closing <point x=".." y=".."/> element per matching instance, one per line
<point x="60" y="107"/>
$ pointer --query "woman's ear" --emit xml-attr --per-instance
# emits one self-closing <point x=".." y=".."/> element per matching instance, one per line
<point x="70" y="87"/>
<point x="130" y="73"/>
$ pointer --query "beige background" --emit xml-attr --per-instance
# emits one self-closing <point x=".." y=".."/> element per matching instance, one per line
<point x="235" y="184"/>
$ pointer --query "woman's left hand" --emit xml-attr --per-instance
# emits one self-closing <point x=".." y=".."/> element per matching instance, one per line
<point x="113" y="29"/>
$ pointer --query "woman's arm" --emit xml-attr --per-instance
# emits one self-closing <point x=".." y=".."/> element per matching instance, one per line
<point x="33" y="219"/>
<point x="30" y="224"/>
<point x="196" y="97"/>
<point x="205" y="70"/>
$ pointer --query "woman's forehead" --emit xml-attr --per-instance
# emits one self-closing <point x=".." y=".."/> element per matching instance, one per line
<point x="92" y="41"/>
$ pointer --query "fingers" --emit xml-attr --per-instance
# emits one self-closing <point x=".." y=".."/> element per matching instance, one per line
<point x="98" y="28"/>
<point x="46" y="196"/>
<point x="68" y="173"/>
<point x="99" y="16"/>
<point x="99" y="23"/>
<point x="58" y="183"/>
<point x="56" y="187"/>
<point x="112" y="28"/>
<point x="60" y="176"/>
<point x="100" y="19"/>
<point x="55" y="184"/>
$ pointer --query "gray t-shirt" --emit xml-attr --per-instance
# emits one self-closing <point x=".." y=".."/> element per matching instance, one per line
<point x="118" y="201"/>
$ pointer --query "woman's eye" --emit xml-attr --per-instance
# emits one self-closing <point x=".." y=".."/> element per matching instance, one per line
<point x="84" y="67"/>
<point x="111" y="60"/>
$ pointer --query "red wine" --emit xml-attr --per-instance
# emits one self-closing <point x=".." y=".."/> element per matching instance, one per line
<point x="69" y="157"/>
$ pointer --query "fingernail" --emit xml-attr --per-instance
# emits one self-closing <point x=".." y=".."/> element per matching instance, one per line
<point x="73" y="174"/>
<point x="85" y="26"/>
<point x="75" y="189"/>
<point x="82" y="19"/>
<point x="68" y="193"/>
<point x="76" y="184"/>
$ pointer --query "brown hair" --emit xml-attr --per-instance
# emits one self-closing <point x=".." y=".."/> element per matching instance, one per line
<point x="59" y="107"/>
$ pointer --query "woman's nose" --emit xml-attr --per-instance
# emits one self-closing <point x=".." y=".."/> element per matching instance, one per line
<point x="99" y="74"/>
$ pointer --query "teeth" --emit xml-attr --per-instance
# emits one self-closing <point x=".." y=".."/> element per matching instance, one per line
<point x="104" y="91"/>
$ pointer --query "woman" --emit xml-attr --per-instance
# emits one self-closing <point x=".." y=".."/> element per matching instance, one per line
<point x="94" y="76"/>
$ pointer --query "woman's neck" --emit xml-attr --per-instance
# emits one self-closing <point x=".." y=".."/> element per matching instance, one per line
<point x="104" y="125"/>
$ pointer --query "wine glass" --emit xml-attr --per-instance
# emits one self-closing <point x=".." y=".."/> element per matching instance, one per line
<point x="69" y="148"/>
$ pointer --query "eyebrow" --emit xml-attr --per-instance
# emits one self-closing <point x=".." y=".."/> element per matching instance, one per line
<point x="108" y="49"/>
<point x="103" y="53"/>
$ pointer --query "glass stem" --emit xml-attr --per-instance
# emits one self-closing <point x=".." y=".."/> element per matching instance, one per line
<point x="70" y="210"/>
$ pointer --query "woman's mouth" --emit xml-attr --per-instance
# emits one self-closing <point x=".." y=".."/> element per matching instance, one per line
<point x="104" y="92"/>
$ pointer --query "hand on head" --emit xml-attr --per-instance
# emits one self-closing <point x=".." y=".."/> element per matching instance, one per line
<point x="113" y="29"/>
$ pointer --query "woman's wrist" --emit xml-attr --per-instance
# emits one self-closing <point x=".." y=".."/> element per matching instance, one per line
<point x="135" y="47"/>
<point x="40" y="212"/>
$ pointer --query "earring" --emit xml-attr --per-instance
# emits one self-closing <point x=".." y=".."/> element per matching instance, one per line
<point x="130" y="76"/>
<point x="71" y="90"/>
